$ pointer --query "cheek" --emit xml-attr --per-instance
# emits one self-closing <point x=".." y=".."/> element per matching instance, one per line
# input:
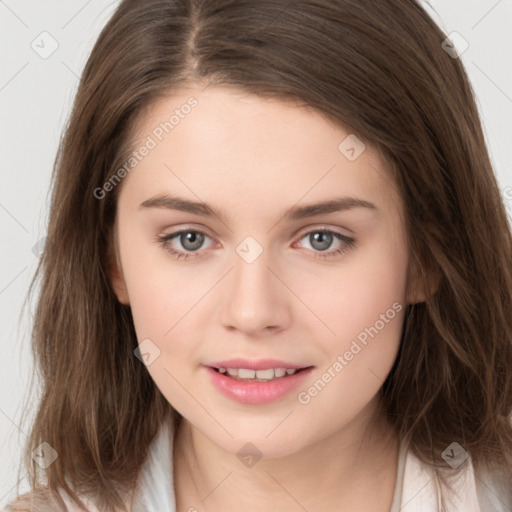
<point x="367" y="317"/>
<point x="352" y="298"/>
<point x="161" y="302"/>
<point x="160" y="289"/>
<point x="164" y="298"/>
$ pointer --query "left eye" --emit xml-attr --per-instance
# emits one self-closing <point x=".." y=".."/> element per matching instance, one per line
<point x="320" y="239"/>
<point x="323" y="239"/>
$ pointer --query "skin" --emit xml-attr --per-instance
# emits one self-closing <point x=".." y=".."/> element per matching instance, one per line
<point x="255" y="158"/>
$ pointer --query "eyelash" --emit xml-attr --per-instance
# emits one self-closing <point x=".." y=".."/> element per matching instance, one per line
<point x="349" y="243"/>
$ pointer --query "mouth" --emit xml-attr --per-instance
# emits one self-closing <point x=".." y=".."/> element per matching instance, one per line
<point x="263" y="375"/>
<point x="248" y="381"/>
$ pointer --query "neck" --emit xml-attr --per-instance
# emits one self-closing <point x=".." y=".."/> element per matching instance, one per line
<point x="336" y="473"/>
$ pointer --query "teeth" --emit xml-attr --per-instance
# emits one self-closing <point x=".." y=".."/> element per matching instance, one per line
<point x="247" y="374"/>
<point x="263" y="374"/>
<point x="269" y="374"/>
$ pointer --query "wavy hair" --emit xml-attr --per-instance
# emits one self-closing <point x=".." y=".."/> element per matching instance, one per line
<point x="376" y="67"/>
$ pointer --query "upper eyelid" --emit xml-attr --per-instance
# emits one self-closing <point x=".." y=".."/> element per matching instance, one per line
<point x="300" y="232"/>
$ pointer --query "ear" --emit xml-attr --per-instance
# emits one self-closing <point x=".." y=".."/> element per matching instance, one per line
<point x="422" y="281"/>
<point x="115" y="272"/>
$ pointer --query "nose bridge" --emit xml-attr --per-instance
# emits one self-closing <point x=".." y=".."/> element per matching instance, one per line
<point x="251" y="271"/>
<point x="255" y="300"/>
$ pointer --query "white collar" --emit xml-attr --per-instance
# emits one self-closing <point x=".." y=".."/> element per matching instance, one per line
<point x="155" y="488"/>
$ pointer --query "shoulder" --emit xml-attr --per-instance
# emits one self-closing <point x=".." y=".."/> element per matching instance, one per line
<point x="42" y="500"/>
<point x="36" y="500"/>
<point x="494" y="492"/>
<point x="486" y="492"/>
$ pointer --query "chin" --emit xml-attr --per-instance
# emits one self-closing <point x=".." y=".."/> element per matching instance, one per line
<point x="265" y="440"/>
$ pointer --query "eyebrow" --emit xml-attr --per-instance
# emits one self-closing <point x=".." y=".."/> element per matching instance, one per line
<point x="292" y="214"/>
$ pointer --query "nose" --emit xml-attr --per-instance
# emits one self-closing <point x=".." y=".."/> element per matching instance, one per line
<point x="256" y="299"/>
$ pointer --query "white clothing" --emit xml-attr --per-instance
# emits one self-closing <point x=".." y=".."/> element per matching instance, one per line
<point x="414" y="490"/>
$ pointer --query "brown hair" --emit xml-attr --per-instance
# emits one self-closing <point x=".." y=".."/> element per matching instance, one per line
<point x="376" y="67"/>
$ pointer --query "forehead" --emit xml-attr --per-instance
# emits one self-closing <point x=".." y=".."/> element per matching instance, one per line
<point x="224" y="144"/>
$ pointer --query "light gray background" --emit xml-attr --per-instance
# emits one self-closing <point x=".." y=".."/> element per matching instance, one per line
<point x="36" y="95"/>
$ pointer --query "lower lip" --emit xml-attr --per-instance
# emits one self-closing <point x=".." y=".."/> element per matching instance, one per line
<point x="257" y="392"/>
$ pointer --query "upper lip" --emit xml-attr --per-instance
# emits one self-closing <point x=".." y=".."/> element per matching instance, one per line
<point x="260" y="364"/>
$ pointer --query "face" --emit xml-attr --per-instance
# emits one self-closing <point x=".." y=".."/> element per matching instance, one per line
<point x="262" y="280"/>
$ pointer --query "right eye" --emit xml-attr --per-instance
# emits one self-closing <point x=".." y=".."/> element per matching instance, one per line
<point x="190" y="239"/>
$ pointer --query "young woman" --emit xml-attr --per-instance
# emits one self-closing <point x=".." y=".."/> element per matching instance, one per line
<point x="279" y="270"/>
